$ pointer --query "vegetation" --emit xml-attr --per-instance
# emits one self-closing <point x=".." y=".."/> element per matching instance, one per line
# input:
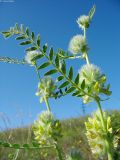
<point x="73" y="137"/>
<point x="89" y="84"/>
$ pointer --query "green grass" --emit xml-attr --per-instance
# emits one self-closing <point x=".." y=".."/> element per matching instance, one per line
<point x="73" y="136"/>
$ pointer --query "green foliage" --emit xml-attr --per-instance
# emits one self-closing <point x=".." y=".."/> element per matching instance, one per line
<point x="52" y="71"/>
<point x="89" y="83"/>
<point x="24" y="146"/>
<point x="73" y="136"/>
<point x="53" y="59"/>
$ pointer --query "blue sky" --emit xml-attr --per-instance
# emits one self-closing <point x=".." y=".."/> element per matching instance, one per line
<point x="55" y="20"/>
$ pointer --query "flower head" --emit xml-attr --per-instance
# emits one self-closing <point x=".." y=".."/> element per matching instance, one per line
<point x="30" y="55"/>
<point x="46" y="88"/>
<point x="78" y="44"/>
<point x="90" y="73"/>
<point x="83" y="21"/>
<point x="96" y="134"/>
<point x="94" y="80"/>
<point x="46" y="129"/>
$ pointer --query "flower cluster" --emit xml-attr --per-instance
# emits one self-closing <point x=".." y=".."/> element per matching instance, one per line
<point x="46" y="88"/>
<point x="78" y="44"/>
<point x="83" y="21"/>
<point x="46" y="129"/>
<point x="94" y="80"/>
<point x="30" y="57"/>
<point x="96" y="133"/>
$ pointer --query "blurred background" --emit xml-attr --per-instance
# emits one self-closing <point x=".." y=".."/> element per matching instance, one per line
<point x="55" y="20"/>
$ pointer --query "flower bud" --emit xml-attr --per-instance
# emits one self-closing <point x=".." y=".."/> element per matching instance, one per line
<point x="94" y="81"/>
<point x="86" y="99"/>
<point x="83" y="21"/>
<point x="78" y="44"/>
<point x="90" y="73"/>
<point x="96" y="134"/>
<point x="46" y="129"/>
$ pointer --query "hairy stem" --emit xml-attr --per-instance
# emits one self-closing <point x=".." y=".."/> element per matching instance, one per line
<point x="107" y="140"/>
<point x="87" y="59"/>
<point x="86" y="54"/>
<point x="84" y="33"/>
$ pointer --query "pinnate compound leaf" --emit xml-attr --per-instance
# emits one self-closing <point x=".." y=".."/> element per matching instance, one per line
<point x="77" y="79"/>
<point x="27" y="31"/>
<point x="38" y="40"/>
<point x="17" y="28"/>
<point x="57" y="60"/>
<point x="60" y="78"/>
<point x="6" y="144"/>
<point x="63" y="68"/>
<point x="20" y="37"/>
<point x="44" y="65"/>
<point x="31" y="49"/>
<point x="16" y="146"/>
<point x="51" y="54"/>
<point x="33" y="36"/>
<point x="22" y="28"/>
<point x="35" y="144"/>
<point x="64" y="84"/>
<point x="76" y="93"/>
<point x="70" y="73"/>
<point x="71" y="89"/>
<point x="45" y="48"/>
<point x="39" y="56"/>
<point x="107" y="92"/>
<point x="6" y="34"/>
<point x="27" y="146"/>
<point x="83" y="84"/>
<point x="25" y="42"/>
<point x="53" y="71"/>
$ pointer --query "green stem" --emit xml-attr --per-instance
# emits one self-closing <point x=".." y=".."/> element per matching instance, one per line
<point x="101" y="114"/>
<point x="45" y="99"/>
<point x="39" y="147"/>
<point x="85" y="33"/>
<point x="87" y="59"/>
<point x="109" y="150"/>
<point x="47" y="104"/>
<point x="58" y="151"/>
<point x="38" y="74"/>
<point x="86" y="55"/>
<point x="107" y="141"/>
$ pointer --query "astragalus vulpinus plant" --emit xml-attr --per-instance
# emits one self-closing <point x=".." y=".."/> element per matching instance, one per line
<point x="89" y="84"/>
